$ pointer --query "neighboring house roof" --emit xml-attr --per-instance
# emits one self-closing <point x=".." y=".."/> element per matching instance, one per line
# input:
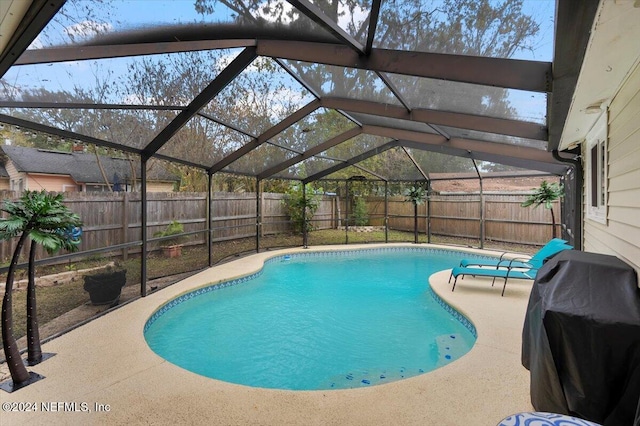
<point x="490" y="175"/>
<point x="81" y="166"/>
<point x="3" y="172"/>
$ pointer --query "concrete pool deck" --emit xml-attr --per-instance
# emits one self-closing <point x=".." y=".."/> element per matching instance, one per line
<point x="106" y="364"/>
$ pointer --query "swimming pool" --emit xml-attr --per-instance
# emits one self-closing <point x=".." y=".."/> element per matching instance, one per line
<point x="317" y="320"/>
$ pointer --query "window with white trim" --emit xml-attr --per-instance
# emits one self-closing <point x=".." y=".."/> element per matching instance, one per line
<point x="596" y="170"/>
<point x="16" y="185"/>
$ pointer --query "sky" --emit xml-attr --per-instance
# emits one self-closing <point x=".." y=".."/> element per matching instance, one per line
<point x="141" y="13"/>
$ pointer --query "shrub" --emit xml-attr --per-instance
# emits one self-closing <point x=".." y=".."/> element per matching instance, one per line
<point x="296" y="206"/>
<point x="360" y="214"/>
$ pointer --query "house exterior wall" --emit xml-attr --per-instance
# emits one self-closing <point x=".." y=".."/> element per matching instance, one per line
<point x="60" y="183"/>
<point x="11" y="169"/>
<point x="37" y="182"/>
<point x="15" y="177"/>
<point x="620" y="236"/>
<point x="158" y="186"/>
<point x="54" y="183"/>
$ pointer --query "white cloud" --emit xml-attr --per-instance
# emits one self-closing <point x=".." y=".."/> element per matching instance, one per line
<point x="86" y="29"/>
<point x="36" y="44"/>
<point x="226" y="58"/>
<point x="345" y="16"/>
<point x="77" y="32"/>
<point x="276" y="5"/>
<point x="284" y="97"/>
<point x="136" y="99"/>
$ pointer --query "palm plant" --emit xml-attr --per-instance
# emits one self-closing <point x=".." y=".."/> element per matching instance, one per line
<point x="417" y="194"/>
<point x="66" y="237"/>
<point x="545" y="195"/>
<point x="46" y="221"/>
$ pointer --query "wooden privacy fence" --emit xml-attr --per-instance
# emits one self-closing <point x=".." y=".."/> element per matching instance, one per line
<point x="115" y="218"/>
<point x="234" y="215"/>
<point x="459" y="215"/>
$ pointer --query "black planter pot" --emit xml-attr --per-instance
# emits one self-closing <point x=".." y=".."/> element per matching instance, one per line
<point x="105" y="288"/>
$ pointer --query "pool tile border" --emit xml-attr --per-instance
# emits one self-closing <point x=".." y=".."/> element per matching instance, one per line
<point x="332" y="253"/>
<point x="455" y="313"/>
<point x="197" y="292"/>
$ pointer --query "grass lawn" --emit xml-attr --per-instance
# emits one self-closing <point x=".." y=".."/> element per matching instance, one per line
<point x="51" y="303"/>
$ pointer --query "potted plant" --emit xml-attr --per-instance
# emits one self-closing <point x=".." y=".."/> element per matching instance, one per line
<point x="171" y="247"/>
<point x="104" y="287"/>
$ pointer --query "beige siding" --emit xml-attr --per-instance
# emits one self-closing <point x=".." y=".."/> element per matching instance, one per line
<point x="621" y="235"/>
<point x="155" y="186"/>
<point x="55" y="183"/>
<point x="14" y="174"/>
<point x="11" y="169"/>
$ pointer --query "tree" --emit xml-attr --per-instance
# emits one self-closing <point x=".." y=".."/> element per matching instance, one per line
<point x="43" y="218"/>
<point x="466" y="27"/>
<point x="545" y="195"/>
<point x="360" y="214"/>
<point x="264" y="93"/>
<point x="254" y="101"/>
<point x="301" y="206"/>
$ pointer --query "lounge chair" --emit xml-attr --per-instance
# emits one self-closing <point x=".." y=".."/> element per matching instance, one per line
<point x="545" y="252"/>
<point x="519" y="268"/>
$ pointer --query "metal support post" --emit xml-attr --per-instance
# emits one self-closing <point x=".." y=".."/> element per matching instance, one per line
<point x="481" y="205"/>
<point x="143" y="221"/>
<point x="386" y="211"/>
<point x="304" y="216"/>
<point x="209" y="217"/>
<point x="258" y="215"/>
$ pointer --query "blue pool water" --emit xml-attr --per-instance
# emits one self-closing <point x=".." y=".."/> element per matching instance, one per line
<point x="318" y="321"/>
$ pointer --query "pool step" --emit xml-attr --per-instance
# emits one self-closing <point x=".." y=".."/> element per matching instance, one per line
<point x="368" y="378"/>
<point x="450" y="348"/>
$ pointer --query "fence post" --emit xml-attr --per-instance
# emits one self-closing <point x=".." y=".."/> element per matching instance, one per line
<point x="333" y="211"/>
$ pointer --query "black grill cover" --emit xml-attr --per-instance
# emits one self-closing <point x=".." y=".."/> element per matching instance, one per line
<point x="581" y="338"/>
